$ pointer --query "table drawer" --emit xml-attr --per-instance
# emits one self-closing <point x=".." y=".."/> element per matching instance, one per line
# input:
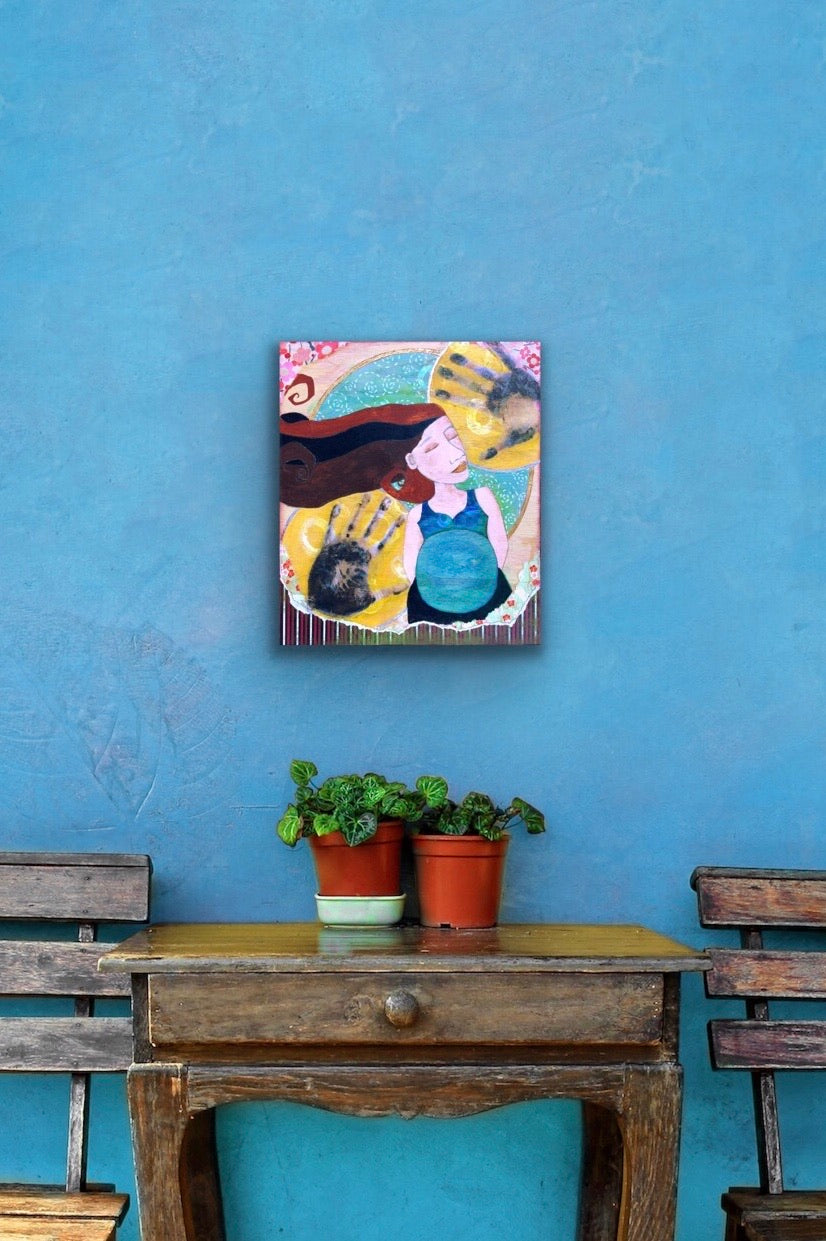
<point x="415" y="1007"/>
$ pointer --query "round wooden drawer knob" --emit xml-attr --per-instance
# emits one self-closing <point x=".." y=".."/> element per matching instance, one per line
<point x="401" y="1009"/>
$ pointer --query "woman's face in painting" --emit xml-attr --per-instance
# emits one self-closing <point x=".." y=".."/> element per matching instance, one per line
<point x="439" y="454"/>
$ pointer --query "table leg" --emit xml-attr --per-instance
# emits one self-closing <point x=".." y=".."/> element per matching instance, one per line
<point x="601" y="1185"/>
<point x="176" y="1168"/>
<point x="650" y="1125"/>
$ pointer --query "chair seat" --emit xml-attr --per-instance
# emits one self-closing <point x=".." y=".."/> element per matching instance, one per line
<point x="785" y="1229"/>
<point x="795" y="1215"/>
<point x="48" y="1213"/>
<point x="24" y="1229"/>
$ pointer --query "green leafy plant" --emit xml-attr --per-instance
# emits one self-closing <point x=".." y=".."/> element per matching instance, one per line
<point x="476" y="815"/>
<point x="353" y="804"/>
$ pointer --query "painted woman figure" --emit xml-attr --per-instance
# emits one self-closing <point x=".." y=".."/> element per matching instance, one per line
<point x="455" y="540"/>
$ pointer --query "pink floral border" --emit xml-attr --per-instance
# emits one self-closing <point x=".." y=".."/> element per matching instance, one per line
<point x="527" y="352"/>
<point x="293" y="354"/>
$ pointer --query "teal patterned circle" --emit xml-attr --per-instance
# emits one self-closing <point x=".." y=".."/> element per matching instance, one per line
<point x="396" y="378"/>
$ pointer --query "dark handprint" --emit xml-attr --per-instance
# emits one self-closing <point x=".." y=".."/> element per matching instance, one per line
<point x="338" y="581"/>
<point x="511" y="396"/>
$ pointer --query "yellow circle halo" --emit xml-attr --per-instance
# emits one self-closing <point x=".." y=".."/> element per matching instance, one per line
<point x="503" y="436"/>
<point x="367" y="518"/>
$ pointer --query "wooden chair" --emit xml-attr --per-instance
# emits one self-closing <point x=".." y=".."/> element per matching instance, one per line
<point x="84" y="889"/>
<point x="753" y="902"/>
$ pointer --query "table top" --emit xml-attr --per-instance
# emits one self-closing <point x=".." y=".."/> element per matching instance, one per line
<point x="275" y="947"/>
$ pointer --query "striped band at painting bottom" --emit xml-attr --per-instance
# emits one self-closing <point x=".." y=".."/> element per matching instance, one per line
<point x="307" y="629"/>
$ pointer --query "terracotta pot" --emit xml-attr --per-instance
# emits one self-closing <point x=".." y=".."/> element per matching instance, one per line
<point x="369" y="869"/>
<point x="459" y="879"/>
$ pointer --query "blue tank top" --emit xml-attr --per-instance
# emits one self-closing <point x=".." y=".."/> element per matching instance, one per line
<point x="471" y="517"/>
<point x="456" y="569"/>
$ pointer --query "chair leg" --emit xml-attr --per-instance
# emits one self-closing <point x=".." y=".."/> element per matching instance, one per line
<point x="734" y="1229"/>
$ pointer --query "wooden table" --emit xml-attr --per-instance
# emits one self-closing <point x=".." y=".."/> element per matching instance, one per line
<point x="407" y="1021"/>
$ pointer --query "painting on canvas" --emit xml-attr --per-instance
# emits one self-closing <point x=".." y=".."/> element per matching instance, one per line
<point x="409" y="492"/>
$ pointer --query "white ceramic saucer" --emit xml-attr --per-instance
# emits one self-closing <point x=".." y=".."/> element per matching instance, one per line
<point x="359" y="910"/>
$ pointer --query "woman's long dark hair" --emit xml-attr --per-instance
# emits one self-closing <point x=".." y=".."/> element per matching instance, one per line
<point x="324" y="459"/>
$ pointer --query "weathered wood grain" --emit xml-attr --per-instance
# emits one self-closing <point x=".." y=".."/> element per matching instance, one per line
<point x="55" y="887"/>
<point x="54" y="1201"/>
<point x="600" y="1191"/>
<point x="757" y="902"/>
<point x="173" y="1149"/>
<point x="77" y="1148"/>
<point x="441" y="1091"/>
<point x="766" y="975"/>
<point x="311" y="948"/>
<point x="56" y="1230"/>
<point x="474" y="1008"/>
<point x="650" y="1122"/>
<point x="38" y="858"/>
<point x="230" y="1013"/>
<point x="763" y="1088"/>
<point x="768" y="1045"/>
<point x="65" y="1044"/>
<point x="798" y="1203"/>
<point x="82" y="889"/>
<point x="79" y="1093"/>
<point x="767" y="1131"/>
<point x="785" y="1229"/>
<point x="777" y="898"/>
<point x="29" y="967"/>
<point x="795" y="1215"/>
<point x="31" y="1213"/>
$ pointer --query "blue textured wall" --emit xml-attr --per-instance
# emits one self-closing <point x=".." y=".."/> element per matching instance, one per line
<point x="638" y="184"/>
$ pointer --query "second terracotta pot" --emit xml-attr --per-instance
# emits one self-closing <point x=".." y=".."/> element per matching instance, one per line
<point x="369" y="869"/>
<point x="459" y="880"/>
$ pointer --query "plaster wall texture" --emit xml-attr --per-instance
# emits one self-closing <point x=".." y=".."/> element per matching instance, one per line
<point x="640" y="185"/>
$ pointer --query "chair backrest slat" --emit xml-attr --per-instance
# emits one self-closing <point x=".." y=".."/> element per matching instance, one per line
<point x="766" y="975"/>
<point x="766" y="898"/>
<point x="768" y="1045"/>
<point x="70" y="888"/>
<point x="56" y="968"/>
<point x="65" y="1044"/>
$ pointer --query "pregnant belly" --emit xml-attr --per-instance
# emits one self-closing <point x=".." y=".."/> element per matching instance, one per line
<point x="456" y="571"/>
